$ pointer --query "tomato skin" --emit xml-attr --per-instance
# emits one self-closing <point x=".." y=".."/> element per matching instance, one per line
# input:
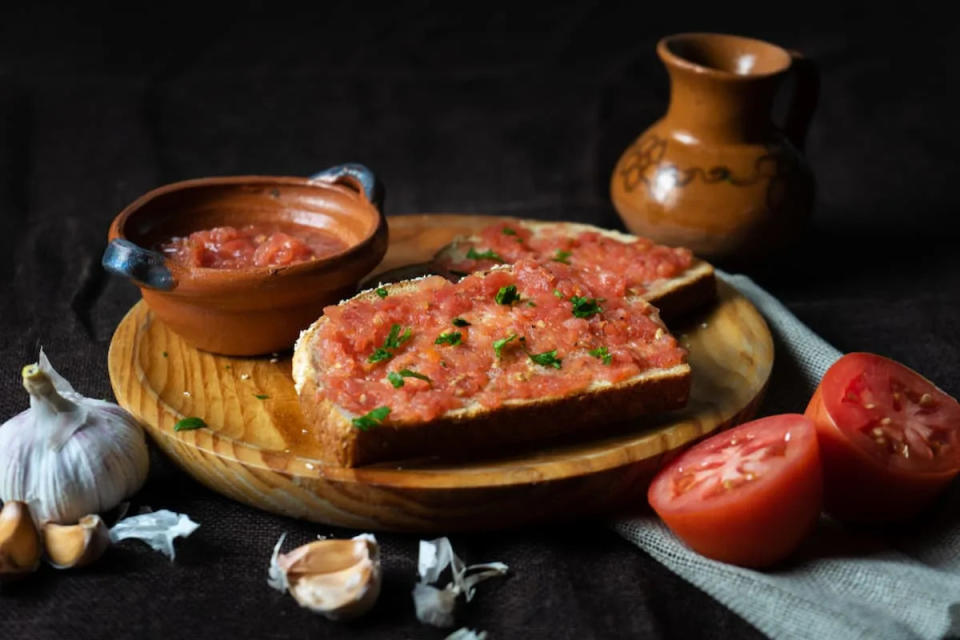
<point x="857" y="488"/>
<point x="767" y="523"/>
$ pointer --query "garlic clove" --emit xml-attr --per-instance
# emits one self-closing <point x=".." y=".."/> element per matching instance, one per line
<point x="339" y="579"/>
<point x="72" y="546"/>
<point x="20" y="547"/>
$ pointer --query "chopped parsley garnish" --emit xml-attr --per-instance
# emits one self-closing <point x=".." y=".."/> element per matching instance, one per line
<point x="507" y="295"/>
<point x="379" y="355"/>
<point x="531" y="303"/>
<point x="556" y="293"/>
<point x="394" y="339"/>
<point x="396" y="377"/>
<point x="489" y="254"/>
<point x="393" y="342"/>
<point x="460" y="322"/>
<point x="189" y="424"/>
<point x="585" y="307"/>
<point x="373" y="419"/>
<point x="499" y="344"/>
<point x="507" y="231"/>
<point x="382" y="292"/>
<point x="562" y="256"/>
<point x="261" y="396"/>
<point x="452" y="338"/>
<point x="602" y="353"/>
<point x="459" y="274"/>
<point x="164" y="354"/>
<point x="546" y="359"/>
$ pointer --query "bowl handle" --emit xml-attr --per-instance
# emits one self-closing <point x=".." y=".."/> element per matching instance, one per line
<point x="145" y="268"/>
<point x="354" y="174"/>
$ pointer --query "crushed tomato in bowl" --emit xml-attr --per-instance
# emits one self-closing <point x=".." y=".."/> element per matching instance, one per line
<point x="253" y="245"/>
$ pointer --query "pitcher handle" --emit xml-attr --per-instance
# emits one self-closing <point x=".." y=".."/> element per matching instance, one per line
<point x="144" y="267"/>
<point x="805" y="98"/>
<point x="358" y="177"/>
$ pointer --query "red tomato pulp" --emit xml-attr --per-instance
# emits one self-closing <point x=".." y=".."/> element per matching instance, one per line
<point x="259" y="245"/>
<point x="747" y="496"/>
<point x="889" y="438"/>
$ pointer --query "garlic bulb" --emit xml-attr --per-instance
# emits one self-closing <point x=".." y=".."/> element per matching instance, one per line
<point x="68" y="456"/>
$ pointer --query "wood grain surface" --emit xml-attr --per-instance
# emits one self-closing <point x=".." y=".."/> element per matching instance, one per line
<point x="257" y="449"/>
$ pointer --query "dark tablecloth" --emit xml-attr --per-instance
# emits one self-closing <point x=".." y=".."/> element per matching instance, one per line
<point x="497" y="109"/>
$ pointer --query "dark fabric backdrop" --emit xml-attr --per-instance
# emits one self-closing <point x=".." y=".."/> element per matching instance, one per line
<point x="458" y="107"/>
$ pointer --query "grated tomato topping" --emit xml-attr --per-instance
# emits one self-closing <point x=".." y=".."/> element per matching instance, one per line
<point x="641" y="263"/>
<point x="469" y="372"/>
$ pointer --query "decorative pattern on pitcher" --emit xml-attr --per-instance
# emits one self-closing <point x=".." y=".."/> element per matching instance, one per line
<point x="642" y="164"/>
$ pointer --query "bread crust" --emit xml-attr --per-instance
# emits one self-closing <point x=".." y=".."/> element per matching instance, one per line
<point x="674" y="297"/>
<point x="476" y="431"/>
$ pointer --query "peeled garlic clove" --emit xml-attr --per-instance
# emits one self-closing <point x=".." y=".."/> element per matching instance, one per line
<point x="339" y="579"/>
<point x="19" y="542"/>
<point x="71" y="546"/>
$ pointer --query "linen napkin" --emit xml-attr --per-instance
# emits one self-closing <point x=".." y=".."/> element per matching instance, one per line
<point x="844" y="582"/>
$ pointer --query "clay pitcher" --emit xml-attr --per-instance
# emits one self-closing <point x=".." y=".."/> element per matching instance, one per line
<point x="715" y="174"/>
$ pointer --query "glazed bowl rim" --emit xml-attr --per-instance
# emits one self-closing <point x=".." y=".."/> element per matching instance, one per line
<point x="670" y="57"/>
<point x="212" y="276"/>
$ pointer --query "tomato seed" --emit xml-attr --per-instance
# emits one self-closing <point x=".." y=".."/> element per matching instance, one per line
<point x="926" y="401"/>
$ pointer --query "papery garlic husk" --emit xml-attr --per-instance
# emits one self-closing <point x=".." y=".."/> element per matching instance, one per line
<point x="20" y="547"/>
<point x="67" y="455"/>
<point x="339" y="579"/>
<point x="437" y="606"/>
<point x="76" y="545"/>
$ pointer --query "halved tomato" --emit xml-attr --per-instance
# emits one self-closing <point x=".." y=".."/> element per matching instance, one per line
<point x="889" y="439"/>
<point x="746" y="496"/>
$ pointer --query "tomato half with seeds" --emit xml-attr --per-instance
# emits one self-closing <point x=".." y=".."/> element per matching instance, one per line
<point x="889" y="439"/>
<point x="747" y="496"/>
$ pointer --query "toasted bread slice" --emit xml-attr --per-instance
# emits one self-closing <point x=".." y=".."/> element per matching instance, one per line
<point x="476" y="428"/>
<point x="674" y="296"/>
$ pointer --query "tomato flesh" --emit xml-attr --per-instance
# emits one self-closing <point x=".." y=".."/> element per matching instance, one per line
<point x="746" y="496"/>
<point x="889" y="438"/>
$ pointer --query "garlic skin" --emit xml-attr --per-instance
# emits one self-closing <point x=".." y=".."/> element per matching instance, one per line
<point x="20" y="547"/>
<point x="339" y="579"/>
<point x="67" y="455"/>
<point x="77" y="545"/>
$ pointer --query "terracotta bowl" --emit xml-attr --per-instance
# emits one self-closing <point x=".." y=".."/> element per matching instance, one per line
<point x="253" y="310"/>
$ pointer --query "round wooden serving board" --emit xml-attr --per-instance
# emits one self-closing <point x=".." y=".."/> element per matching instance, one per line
<point x="258" y="450"/>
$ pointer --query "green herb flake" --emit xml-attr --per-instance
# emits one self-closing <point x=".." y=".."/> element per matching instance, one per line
<point x="371" y="420"/>
<point x="557" y="294"/>
<point x="452" y="338"/>
<point x="407" y="373"/>
<point x="507" y="295"/>
<point x="382" y="292"/>
<point x="547" y="359"/>
<point x="392" y="343"/>
<point x="531" y="303"/>
<point x="562" y="256"/>
<point x="164" y="354"/>
<point x="489" y="254"/>
<point x="261" y="396"/>
<point x="507" y="231"/>
<point x="396" y="377"/>
<point x="498" y="345"/>
<point x="586" y="307"/>
<point x="602" y="353"/>
<point x="379" y="355"/>
<point x="189" y="424"/>
<point x="460" y="322"/>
